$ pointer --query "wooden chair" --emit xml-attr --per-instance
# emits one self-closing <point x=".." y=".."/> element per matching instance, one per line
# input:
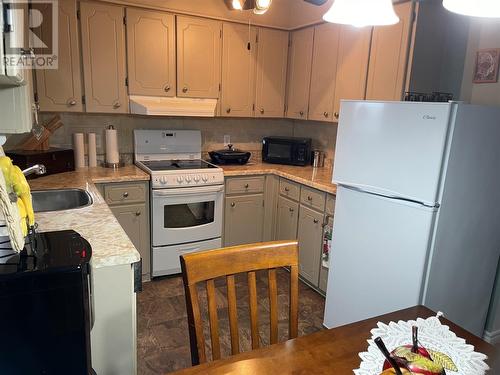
<point x="208" y="265"/>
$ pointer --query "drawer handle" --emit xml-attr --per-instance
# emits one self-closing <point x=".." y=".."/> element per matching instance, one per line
<point x="316" y="221"/>
<point x="167" y="88"/>
<point x="233" y="204"/>
<point x="301" y="113"/>
<point x="138" y="213"/>
<point x="125" y="195"/>
<point x="246" y="186"/>
<point x="291" y="209"/>
<point x="184" y="89"/>
<point x="262" y="110"/>
<point x="336" y="114"/>
<point x="287" y="189"/>
<point x="309" y="198"/>
<point x="325" y="114"/>
<point x="228" y="110"/>
<point x="117" y="105"/>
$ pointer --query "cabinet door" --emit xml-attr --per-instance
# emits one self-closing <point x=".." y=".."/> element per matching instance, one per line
<point x="272" y="53"/>
<point x="150" y="52"/>
<point x="103" y="49"/>
<point x="198" y="57"/>
<point x="287" y="220"/>
<point x="238" y="70"/>
<point x="354" y="50"/>
<point x="324" y="72"/>
<point x="61" y="89"/>
<point x="299" y="73"/>
<point x="389" y="57"/>
<point x="134" y="221"/>
<point x="244" y="216"/>
<point x="310" y="235"/>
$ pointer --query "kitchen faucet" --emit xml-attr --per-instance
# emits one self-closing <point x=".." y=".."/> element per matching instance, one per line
<point x="35" y="169"/>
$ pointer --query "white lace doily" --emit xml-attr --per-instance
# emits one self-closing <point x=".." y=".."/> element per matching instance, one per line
<point x="432" y="335"/>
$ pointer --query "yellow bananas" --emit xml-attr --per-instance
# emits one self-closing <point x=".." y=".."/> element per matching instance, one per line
<point x="16" y="182"/>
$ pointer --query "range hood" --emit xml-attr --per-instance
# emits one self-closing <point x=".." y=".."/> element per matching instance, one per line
<point x="159" y="106"/>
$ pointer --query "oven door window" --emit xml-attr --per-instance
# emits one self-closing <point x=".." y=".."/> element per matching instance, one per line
<point x="187" y="215"/>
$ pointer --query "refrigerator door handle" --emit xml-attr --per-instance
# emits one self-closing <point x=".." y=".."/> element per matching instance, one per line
<point x="367" y="190"/>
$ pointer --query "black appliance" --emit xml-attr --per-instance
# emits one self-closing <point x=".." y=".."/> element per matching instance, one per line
<point x="230" y="155"/>
<point x="286" y="150"/>
<point x="56" y="160"/>
<point x="44" y="305"/>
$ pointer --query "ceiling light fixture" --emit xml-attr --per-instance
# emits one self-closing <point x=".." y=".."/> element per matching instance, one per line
<point x="362" y="13"/>
<point x="236" y="4"/>
<point x="477" y="8"/>
<point x="262" y="6"/>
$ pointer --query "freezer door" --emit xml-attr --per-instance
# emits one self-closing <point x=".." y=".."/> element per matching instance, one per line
<point x="378" y="257"/>
<point x="394" y="148"/>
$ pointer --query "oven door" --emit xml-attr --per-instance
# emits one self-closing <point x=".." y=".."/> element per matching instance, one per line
<point x="187" y="214"/>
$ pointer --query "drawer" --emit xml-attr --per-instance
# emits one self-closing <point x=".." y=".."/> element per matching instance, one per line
<point x="289" y="189"/>
<point x="313" y="198"/>
<point x="330" y="204"/>
<point x="245" y="185"/>
<point x="125" y="193"/>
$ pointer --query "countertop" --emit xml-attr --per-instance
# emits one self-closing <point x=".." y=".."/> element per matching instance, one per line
<point x="110" y="244"/>
<point x="318" y="178"/>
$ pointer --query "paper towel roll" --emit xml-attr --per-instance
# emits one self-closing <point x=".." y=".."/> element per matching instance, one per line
<point x="92" y="150"/>
<point x="79" y="150"/>
<point x="112" y="155"/>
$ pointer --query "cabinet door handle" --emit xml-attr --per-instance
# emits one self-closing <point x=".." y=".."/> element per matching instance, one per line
<point x="325" y="114"/>
<point x="138" y="213"/>
<point x="116" y="105"/>
<point x="246" y="186"/>
<point x="291" y="209"/>
<point x="228" y="110"/>
<point x="309" y="198"/>
<point x="262" y="110"/>
<point x="71" y="102"/>
<point x="287" y="189"/>
<point x="233" y="204"/>
<point x="125" y="195"/>
<point x="315" y="221"/>
<point x="336" y="114"/>
<point x="167" y="88"/>
<point x="301" y="113"/>
<point x="184" y="89"/>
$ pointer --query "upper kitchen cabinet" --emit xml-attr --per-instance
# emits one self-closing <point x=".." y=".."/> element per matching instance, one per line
<point x="299" y="73"/>
<point x="238" y="70"/>
<point x="389" y="56"/>
<point x="324" y="72"/>
<point x="151" y="53"/>
<point x="198" y="57"/>
<point x="352" y="67"/>
<point x="103" y="49"/>
<point x="272" y="54"/>
<point x="61" y="89"/>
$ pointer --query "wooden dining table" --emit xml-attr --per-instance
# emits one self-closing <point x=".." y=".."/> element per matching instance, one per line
<point x="331" y="351"/>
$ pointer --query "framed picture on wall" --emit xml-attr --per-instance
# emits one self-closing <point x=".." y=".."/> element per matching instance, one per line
<point x="486" y="68"/>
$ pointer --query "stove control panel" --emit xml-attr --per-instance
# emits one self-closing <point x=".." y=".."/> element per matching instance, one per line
<point x="160" y="181"/>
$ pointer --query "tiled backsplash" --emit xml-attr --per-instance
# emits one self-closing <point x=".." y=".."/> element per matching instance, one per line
<point x="245" y="133"/>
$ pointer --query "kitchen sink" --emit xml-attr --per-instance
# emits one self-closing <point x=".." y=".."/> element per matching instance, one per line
<point x="60" y="199"/>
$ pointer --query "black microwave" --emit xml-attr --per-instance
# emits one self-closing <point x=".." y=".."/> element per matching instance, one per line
<point x="286" y="150"/>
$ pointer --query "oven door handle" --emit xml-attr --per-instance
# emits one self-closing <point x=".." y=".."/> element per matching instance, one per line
<point x="188" y="191"/>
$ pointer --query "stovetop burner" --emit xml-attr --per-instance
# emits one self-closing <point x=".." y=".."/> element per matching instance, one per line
<point x="169" y="165"/>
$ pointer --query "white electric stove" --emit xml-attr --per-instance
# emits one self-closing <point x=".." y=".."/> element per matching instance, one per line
<point x="187" y="195"/>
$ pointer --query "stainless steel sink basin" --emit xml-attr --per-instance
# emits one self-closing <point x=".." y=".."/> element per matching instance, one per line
<point x="60" y="199"/>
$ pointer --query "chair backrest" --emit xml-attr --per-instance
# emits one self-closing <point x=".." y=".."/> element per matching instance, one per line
<point x="208" y="265"/>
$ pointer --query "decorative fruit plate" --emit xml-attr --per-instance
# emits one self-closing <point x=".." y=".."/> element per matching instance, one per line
<point x="433" y="336"/>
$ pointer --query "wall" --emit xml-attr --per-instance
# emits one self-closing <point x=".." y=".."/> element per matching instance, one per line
<point x="245" y="133"/>
<point x="484" y="33"/>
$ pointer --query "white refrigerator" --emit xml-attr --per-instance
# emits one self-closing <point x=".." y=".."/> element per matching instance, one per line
<point x="417" y="216"/>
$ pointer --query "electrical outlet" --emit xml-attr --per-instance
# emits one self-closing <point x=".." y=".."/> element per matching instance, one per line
<point x="227" y="139"/>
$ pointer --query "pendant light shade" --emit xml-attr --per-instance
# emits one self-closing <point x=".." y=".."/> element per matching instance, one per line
<point x="362" y="13"/>
<point x="476" y="8"/>
<point x="262" y="6"/>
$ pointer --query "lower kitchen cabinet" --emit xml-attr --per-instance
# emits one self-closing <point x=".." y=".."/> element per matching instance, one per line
<point x="244" y="219"/>
<point x="310" y="235"/>
<point x="134" y="221"/>
<point x="129" y="202"/>
<point x="287" y="219"/>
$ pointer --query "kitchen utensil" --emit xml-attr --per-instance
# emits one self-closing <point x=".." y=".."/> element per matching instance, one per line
<point x="230" y="155"/>
<point x="318" y="159"/>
